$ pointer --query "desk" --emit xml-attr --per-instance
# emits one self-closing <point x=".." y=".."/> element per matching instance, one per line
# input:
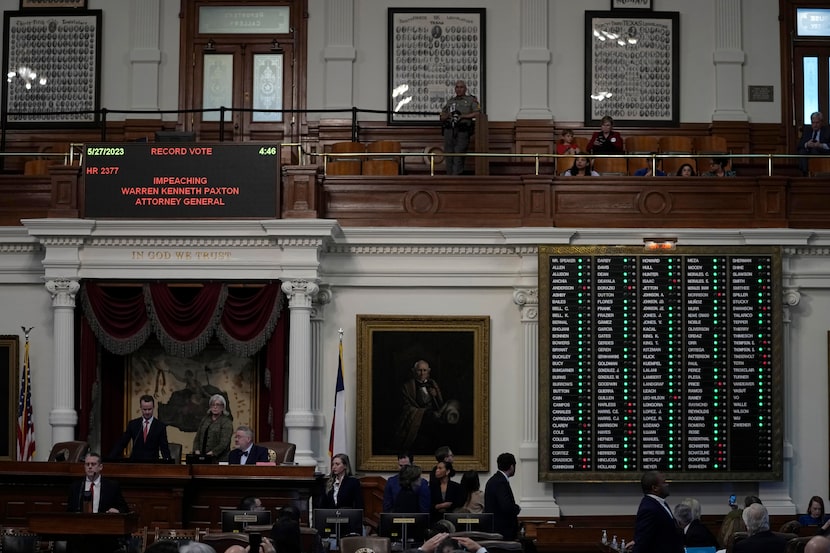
<point x="83" y="524"/>
<point x="167" y="496"/>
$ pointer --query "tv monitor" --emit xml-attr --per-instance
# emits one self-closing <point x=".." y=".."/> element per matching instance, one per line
<point x="236" y="520"/>
<point x="338" y="523"/>
<point x="175" y="136"/>
<point x="471" y="522"/>
<point x="406" y="530"/>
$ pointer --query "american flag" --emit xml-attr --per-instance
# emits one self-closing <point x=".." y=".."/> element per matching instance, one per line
<point x="337" y="438"/>
<point x="25" y="422"/>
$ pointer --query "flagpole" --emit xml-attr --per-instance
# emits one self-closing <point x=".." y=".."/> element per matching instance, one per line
<point x="25" y="424"/>
<point x="337" y="437"/>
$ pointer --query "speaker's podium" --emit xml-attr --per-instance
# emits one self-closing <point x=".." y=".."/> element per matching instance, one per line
<point x="92" y="532"/>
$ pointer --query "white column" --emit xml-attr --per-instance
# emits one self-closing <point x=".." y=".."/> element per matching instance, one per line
<point x="145" y="54"/>
<point x="729" y="59"/>
<point x="339" y="54"/>
<point x="536" y="498"/>
<point x="534" y="59"/>
<point x="318" y="344"/>
<point x="299" y="421"/>
<point x="777" y="496"/>
<point x="63" y="417"/>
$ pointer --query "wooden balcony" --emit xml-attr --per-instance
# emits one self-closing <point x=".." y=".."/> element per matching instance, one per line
<point x="512" y="199"/>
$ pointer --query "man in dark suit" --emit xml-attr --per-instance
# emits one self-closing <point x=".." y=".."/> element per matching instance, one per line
<point x="498" y="498"/>
<point x="95" y="494"/>
<point x="695" y="533"/>
<point x="761" y="539"/>
<point x="655" y="530"/>
<point x="104" y="494"/>
<point x="246" y="452"/>
<point x="147" y="434"/>
<point x="815" y="140"/>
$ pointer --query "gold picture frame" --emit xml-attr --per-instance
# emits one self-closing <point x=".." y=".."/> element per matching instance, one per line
<point x="183" y="386"/>
<point x="457" y="350"/>
<point x="10" y="366"/>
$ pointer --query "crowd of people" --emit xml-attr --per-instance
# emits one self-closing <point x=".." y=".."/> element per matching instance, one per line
<point x="459" y="113"/>
<point x="659" y="529"/>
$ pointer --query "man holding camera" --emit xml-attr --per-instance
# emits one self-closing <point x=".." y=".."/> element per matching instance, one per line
<point x="457" y="118"/>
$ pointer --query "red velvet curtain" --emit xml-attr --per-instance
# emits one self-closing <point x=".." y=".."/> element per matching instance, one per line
<point x="184" y="323"/>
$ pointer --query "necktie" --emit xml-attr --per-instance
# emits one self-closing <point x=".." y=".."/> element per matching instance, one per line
<point x="89" y="506"/>
<point x="244" y="458"/>
<point x="815" y="136"/>
<point x="146" y="429"/>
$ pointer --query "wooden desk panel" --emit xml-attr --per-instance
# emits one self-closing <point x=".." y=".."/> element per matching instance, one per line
<point x="167" y="496"/>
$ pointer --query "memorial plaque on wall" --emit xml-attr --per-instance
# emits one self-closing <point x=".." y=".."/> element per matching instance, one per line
<point x="660" y="361"/>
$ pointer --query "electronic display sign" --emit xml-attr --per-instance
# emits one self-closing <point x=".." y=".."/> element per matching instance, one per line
<point x="660" y="361"/>
<point x="181" y="181"/>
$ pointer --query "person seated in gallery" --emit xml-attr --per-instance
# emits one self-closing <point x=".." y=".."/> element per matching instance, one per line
<point x="606" y="140"/>
<point x="815" y="139"/>
<point x="566" y="145"/>
<point x="718" y="168"/>
<point x="580" y="168"/>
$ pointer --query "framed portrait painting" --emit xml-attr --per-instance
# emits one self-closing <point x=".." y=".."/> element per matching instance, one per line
<point x="55" y="59"/>
<point x="632" y="68"/>
<point x="424" y="383"/>
<point x="182" y="388"/>
<point x="429" y="50"/>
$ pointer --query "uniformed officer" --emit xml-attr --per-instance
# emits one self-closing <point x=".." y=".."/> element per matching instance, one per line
<point x="457" y="118"/>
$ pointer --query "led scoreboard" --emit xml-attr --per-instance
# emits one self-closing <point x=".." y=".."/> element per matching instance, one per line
<point x="660" y="361"/>
<point x="181" y="180"/>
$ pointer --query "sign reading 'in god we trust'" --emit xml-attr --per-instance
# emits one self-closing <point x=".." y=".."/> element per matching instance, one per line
<point x="164" y="181"/>
<point x="630" y="4"/>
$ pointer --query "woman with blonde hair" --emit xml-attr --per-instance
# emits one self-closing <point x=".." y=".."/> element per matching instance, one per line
<point x="215" y="431"/>
<point x="342" y="489"/>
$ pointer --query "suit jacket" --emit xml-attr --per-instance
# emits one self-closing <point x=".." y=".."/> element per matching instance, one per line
<point x="349" y="497"/>
<point x="454" y="494"/>
<point x="499" y="500"/>
<point x="393" y="488"/>
<point x="762" y="542"/>
<point x="655" y="530"/>
<point x="698" y="535"/>
<point x="257" y="454"/>
<point x="155" y="446"/>
<point x="807" y="135"/>
<point x="109" y="496"/>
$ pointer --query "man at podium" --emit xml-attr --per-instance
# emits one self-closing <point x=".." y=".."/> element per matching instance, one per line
<point x="95" y="494"/>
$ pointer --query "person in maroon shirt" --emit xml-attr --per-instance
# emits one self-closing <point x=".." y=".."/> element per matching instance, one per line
<point x="606" y="140"/>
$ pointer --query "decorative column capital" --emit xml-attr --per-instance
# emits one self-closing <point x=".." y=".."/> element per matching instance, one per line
<point x="300" y="292"/>
<point x="528" y="301"/>
<point x="792" y="296"/>
<point x="63" y="291"/>
<point x="323" y="298"/>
